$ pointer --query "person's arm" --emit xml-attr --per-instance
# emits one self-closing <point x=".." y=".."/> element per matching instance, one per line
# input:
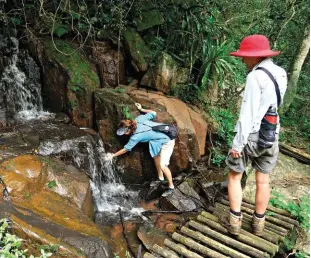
<point x="139" y="107"/>
<point x="119" y="153"/>
<point x="249" y="110"/>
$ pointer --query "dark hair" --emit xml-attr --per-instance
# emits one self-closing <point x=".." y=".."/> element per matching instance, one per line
<point x="130" y="124"/>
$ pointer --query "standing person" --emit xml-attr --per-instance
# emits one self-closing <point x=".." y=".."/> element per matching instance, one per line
<point x="160" y="145"/>
<point x="265" y="87"/>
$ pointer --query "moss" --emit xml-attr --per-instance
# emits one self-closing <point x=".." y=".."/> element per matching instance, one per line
<point x="148" y="19"/>
<point x="137" y="48"/>
<point x="82" y="76"/>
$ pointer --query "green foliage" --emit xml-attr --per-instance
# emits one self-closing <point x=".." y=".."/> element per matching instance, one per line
<point x="51" y="184"/>
<point x="11" y="244"/>
<point x="226" y="120"/>
<point x="16" y="20"/>
<point x="216" y="62"/>
<point x="80" y="70"/>
<point x="61" y="29"/>
<point x="300" y="254"/>
<point x="50" y="248"/>
<point x="119" y="90"/>
<point x="218" y="158"/>
<point x="300" y="210"/>
<point x="126" y="113"/>
<point x="189" y="93"/>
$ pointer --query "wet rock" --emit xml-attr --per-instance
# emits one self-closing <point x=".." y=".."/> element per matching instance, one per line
<point x="165" y="74"/>
<point x="137" y="49"/>
<point x="61" y="118"/>
<point x="27" y="175"/>
<point x="59" y="197"/>
<point x="110" y="64"/>
<point x="92" y="246"/>
<point x="68" y="80"/>
<point x="111" y="106"/>
<point x="184" y="198"/>
<point x="150" y="235"/>
<point x="168" y="222"/>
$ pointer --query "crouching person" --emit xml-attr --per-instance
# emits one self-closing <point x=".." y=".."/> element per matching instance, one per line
<point x="160" y="145"/>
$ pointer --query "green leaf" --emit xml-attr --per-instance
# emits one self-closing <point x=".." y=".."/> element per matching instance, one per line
<point x="51" y="184"/>
<point x="60" y="30"/>
<point x="16" y="20"/>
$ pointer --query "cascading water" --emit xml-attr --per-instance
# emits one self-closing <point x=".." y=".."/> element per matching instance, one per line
<point x="108" y="191"/>
<point x="20" y="88"/>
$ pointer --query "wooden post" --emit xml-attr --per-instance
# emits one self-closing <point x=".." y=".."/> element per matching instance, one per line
<point x="252" y="240"/>
<point x="181" y="249"/>
<point x="212" y="243"/>
<point x="253" y="252"/>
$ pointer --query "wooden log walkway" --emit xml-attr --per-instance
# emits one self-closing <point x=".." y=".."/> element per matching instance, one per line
<point x="204" y="236"/>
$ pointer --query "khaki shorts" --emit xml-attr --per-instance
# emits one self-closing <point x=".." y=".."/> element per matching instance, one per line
<point x="166" y="153"/>
<point x="263" y="160"/>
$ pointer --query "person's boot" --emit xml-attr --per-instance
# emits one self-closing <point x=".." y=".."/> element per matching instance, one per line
<point x="258" y="225"/>
<point x="232" y="223"/>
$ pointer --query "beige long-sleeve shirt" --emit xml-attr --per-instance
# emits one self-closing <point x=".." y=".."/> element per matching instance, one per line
<point x="259" y="95"/>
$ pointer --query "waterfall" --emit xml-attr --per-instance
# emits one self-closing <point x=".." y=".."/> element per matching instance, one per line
<point x="89" y="154"/>
<point x="20" y="88"/>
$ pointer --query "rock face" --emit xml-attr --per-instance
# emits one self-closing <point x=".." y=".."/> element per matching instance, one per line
<point x="113" y="105"/>
<point x="54" y="198"/>
<point x="183" y="199"/>
<point x="165" y="74"/>
<point x="137" y="49"/>
<point x="110" y="64"/>
<point x="148" y="19"/>
<point x="68" y="80"/>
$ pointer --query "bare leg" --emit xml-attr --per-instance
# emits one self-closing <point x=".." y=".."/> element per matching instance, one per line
<point x="262" y="192"/>
<point x="158" y="166"/>
<point x="235" y="190"/>
<point x="168" y="175"/>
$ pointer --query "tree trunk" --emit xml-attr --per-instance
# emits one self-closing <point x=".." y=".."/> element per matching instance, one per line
<point x="295" y="69"/>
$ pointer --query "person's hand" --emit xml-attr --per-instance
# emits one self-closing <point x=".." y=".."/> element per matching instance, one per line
<point x="109" y="157"/>
<point x="235" y="154"/>
<point x="139" y="107"/>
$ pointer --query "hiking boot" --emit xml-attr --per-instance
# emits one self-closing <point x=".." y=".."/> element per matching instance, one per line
<point x="258" y="225"/>
<point x="158" y="182"/>
<point x="168" y="192"/>
<point x="232" y="223"/>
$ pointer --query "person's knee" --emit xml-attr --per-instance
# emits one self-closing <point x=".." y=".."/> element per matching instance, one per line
<point x="165" y="168"/>
<point x="262" y="180"/>
<point x="235" y="175"/>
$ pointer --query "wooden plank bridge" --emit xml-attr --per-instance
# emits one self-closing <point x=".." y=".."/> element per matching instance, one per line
<point x="206" y="237"/>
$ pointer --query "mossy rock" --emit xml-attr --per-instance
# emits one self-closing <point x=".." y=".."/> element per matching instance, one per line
<point x="82" y="80"/>
<point x="148" y="19"/>
<point x="137" y="48"/>
<point x="82" y="75"/>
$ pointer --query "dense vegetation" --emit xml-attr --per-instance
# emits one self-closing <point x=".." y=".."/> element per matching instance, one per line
<point x="198" y="35"/>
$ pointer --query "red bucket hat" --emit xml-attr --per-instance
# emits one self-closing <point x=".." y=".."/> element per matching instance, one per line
<point x="255" y="46"/>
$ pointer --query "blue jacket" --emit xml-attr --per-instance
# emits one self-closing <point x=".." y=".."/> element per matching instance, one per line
<point x="144" y="133"/>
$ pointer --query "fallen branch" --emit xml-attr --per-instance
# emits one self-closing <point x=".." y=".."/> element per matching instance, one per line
<point x="125" y="236"/>
<point x="148" y="212"/>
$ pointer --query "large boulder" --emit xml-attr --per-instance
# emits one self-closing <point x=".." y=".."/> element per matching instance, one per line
<point x="69" y="79"/>
<point x="113" y="105"/>
<point x="148" y="19"/>
<point x="165" y="74"/>
<point x="137" y="49"/>
<point x="110" y="64"/>
<point x="53" y="202"/>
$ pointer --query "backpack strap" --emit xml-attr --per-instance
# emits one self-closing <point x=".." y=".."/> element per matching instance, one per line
<point x="276" y="86"/>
